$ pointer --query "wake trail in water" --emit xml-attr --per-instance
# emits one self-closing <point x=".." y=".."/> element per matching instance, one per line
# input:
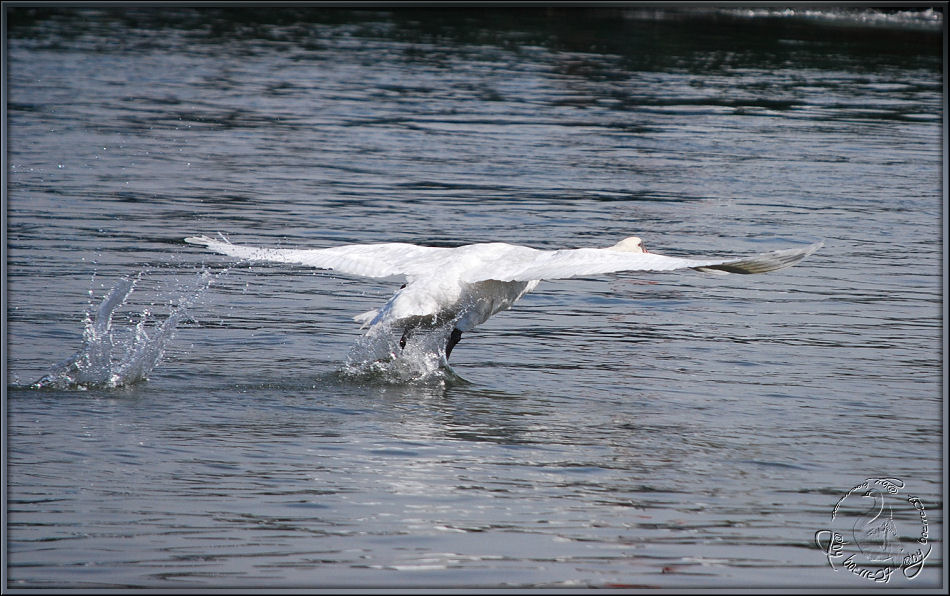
<point x="115" y="356"/>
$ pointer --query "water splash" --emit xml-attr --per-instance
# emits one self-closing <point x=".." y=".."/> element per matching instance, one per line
<point x="114" y="356"/>
<point x="378" y="356"/>
<point x="118" y="354"/>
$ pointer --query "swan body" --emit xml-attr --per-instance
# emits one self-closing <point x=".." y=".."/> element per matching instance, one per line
<point x="465" y="286"/>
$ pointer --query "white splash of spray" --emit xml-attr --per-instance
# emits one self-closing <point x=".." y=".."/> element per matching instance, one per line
<point x="378" y="356"/>
<point x="113" y="356"/>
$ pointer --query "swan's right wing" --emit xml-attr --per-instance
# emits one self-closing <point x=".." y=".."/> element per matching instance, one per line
<point x="765" y="262"/>
<point x="367" y="260"/>
<point x="561" y="264"/>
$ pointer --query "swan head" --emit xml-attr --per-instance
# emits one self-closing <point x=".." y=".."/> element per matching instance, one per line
<point x="631" y="244"/>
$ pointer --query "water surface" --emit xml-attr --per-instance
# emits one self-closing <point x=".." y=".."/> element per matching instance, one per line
<point x="657" y="430"/>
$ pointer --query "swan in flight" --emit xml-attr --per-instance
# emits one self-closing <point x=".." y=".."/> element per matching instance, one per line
<point x="457" y="289"/>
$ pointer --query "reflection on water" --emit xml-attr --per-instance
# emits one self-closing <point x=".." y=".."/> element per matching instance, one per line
<point x="656" y="430"/>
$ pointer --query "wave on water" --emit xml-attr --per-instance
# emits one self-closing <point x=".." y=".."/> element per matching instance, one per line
<point x="115" y="355"/>
<point x="909" y="17"/>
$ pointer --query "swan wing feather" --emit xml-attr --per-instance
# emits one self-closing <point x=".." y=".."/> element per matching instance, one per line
<point x="496" y="261"/>
<point x="367" y="260"/>
<point x="561" y="264"/>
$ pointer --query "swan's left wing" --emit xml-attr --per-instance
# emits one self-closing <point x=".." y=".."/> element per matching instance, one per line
<point x="560" y="264"/>
<point x="367" y="260"/>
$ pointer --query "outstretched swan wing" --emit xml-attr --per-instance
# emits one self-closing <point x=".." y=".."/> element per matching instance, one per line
<point x="496" y="261"/>
<point x="368" y="260"/>
<point x="560" y="264"/>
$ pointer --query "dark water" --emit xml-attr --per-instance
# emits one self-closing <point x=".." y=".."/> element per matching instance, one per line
<point x="628" y="430"/>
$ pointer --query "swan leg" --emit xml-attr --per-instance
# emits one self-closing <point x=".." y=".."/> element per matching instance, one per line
<point x="454" y="338"/>
<point x="406" y="334"/>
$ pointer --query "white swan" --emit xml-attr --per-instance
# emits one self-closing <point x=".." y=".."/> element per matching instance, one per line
<point x="464" y="286"/>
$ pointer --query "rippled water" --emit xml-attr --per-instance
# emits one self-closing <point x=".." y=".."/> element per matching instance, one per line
<point x="627" y="430"/>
